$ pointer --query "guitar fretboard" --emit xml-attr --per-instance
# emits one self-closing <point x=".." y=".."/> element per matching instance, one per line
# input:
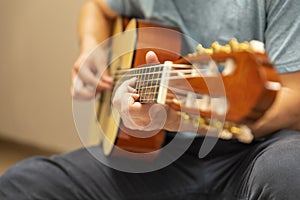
<point x="148" y="81"/>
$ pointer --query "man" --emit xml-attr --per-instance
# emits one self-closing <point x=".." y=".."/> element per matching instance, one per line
<point x="264" y="169"/>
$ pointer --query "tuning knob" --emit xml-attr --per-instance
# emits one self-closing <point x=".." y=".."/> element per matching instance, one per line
<point x="234" y="44"/>
<point x="200" y="49"/>
<point x="245" y="135"/>
<point x="209" y="51"/>
<point x="217" y="48"/>
<point x="257" y="46"/>
<point x="225" y="135"/>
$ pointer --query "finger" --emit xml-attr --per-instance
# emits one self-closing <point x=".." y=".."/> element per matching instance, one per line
<point x="151" y="58"/>
<point x="107" y="78"/>
<point x="135" y="96"/>
<point x="131" y="89"/>
<point x="88" y="77"/>
<point x="122" y="91"/>
<point x="80" y="92"/>
<point x="129" y="83"/>
<point x="103" y="86"/>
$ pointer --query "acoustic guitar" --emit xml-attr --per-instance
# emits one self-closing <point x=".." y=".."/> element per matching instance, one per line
<point x="190" y="85"/>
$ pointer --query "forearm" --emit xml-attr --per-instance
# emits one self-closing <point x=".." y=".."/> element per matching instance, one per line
<point x="95" y="23"/>
<point x="285" y="112"/>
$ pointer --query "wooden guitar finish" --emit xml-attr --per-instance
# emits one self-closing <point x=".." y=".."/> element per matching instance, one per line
<point x="157" y="40"/>
<point x="250" y="71"/>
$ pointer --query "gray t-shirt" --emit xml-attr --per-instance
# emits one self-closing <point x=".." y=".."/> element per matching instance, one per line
<point x="275" y="22"/>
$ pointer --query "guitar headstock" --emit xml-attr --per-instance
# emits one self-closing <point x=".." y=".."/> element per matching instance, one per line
<point x="236" y="80"/>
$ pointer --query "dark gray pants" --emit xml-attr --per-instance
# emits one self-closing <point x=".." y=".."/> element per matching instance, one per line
<point x="268" y="169"/>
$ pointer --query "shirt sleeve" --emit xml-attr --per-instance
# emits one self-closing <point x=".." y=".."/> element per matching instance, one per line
<point x="282" y="34"/>
<point x="131" y="8"/>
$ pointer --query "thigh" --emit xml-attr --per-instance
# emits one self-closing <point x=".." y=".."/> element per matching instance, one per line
<point x="272" y="168"/>
<point x="79" y="175"/>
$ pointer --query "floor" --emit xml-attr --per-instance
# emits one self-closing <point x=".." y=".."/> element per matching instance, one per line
<point x="11" y="153"/>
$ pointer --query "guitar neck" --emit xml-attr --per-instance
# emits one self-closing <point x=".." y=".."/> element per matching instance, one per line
<point x="149" y="79"/>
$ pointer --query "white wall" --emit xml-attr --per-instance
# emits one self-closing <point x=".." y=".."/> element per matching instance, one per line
<point x="38" y="46"/>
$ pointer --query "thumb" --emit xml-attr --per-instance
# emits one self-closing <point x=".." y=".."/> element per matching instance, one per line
<point x="151" y="58"/>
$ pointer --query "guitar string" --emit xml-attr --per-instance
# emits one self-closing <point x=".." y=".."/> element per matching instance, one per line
<point x="154" y="66"/>
<point x="144" y="88"/>
<point x="175" y="78"/>
<point x="174" y="71"/>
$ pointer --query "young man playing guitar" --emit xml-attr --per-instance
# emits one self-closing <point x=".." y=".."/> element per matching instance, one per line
<point x="267" y="168"/>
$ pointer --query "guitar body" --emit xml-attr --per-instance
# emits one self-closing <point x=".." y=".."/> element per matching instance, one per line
<point x="115" y="136"/>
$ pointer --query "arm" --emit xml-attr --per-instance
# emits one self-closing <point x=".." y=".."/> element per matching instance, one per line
<point x="95" y="23"/>
<point x="285" y="112"/>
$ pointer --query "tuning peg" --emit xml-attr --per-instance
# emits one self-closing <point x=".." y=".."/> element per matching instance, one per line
<point x="234" y="44"/>
<point x="257" y="46"/>
<point x="245" y="135"/>
<point x="225" y="135"/>
<point x="226" y="48"/>
<point x="244" y="46"/>
<point x="217" y="48"/>
<point x="235" y="130"/>
<point x="200" y="49"/>
<point x="209" y="51"/>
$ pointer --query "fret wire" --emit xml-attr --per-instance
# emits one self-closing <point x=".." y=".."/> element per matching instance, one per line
<point x="149" y="77"/>
<point x="138" y="82"/>
<point x="155" y="75"/>
<point x="142" y="82"/>
<point x="146" y="75"/>
<point x="146" y="78"/>
<point x="152" y="84"/>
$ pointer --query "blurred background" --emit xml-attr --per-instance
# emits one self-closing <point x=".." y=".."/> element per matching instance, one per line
<point x="38" y="46"/>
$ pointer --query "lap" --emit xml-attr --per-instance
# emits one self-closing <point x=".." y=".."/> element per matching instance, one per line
<point x="79" y="175"/>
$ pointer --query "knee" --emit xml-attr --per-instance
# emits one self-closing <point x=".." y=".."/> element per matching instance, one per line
<point x="276" y="170"/>
<point x="33" y="176"/>
<point x="12" y="182"/>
